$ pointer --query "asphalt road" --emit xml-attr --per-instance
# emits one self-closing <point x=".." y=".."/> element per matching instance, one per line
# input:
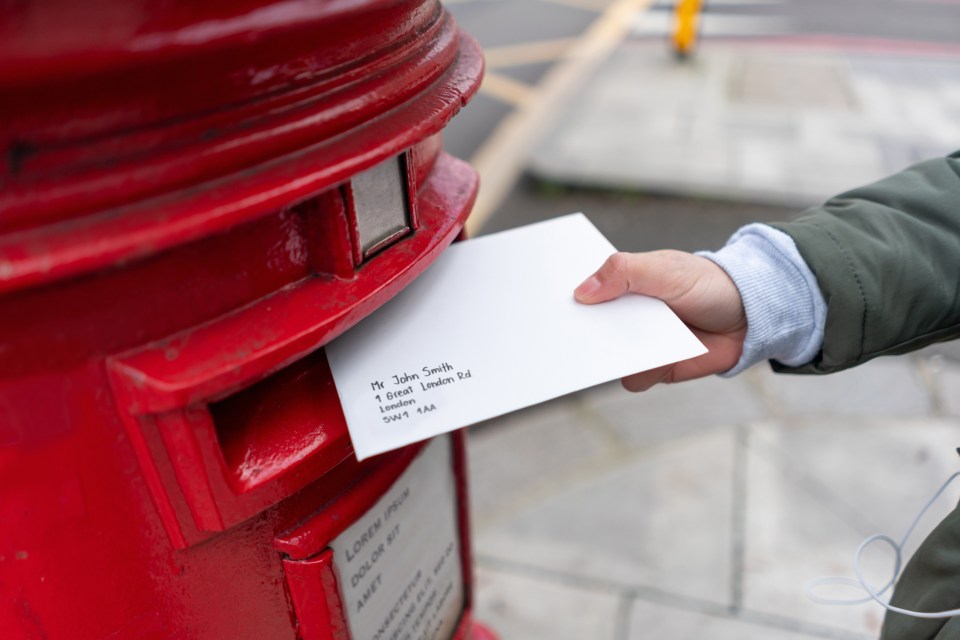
<point x="524" y="39"/>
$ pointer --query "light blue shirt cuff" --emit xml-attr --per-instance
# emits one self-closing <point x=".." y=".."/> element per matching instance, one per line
<point x="785" y="309"/>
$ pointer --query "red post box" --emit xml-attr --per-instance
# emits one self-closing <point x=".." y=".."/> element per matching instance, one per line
<point x="194" y="199"/>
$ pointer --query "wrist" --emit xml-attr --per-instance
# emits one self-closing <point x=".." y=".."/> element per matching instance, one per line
<point x="784" y="308"/>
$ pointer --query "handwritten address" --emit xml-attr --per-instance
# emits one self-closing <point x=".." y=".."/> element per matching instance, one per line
<point x="408" y="393"/>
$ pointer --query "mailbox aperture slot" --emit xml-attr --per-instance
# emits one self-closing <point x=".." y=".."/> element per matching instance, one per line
<point x="268" y="429"/>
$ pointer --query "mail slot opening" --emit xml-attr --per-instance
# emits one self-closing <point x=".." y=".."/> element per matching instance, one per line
<point x="270" y="428"/>
<point x="381" y="203"/>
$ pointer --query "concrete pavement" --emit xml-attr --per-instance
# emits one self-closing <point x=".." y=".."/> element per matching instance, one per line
<point x="784" y="121"/>
<point x="700" y="510"/>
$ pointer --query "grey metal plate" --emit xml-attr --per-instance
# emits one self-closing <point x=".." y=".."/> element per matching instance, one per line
<point x="380" y="203"/>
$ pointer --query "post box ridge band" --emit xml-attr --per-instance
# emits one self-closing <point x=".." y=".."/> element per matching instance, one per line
<point x="295" y="153"/>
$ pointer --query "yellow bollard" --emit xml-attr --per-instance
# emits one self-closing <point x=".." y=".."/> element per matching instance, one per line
<point x="686" y="26"/>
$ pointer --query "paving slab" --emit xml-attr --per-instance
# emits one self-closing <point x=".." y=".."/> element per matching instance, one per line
<point x="649" y="621"/>
<point x="883" y="387"/>
<point x="520" y="608"/>
<point x="756" y="122"/>
<point x="671" y="412"/>
<point x="949" y="351"/>
<point x="661" y="520"/>
<point x="872" y="474"/>
<point x="816" y="489"/>
<point x="514" y="458"/>
<point x="947" y="380"/>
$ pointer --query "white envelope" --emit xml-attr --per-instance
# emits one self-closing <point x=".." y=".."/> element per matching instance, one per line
<point x="492" y="327"/>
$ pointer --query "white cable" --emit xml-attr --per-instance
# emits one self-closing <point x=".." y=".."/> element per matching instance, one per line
<point x="861" y="582"/>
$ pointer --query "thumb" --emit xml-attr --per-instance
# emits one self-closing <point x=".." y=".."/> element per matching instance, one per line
<point x="647" y="273"/>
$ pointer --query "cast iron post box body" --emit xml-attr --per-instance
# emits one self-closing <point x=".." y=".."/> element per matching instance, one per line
<point x="194" y="199"/>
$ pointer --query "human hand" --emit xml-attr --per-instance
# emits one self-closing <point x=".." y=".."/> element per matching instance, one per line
<point x="698" y="291"/>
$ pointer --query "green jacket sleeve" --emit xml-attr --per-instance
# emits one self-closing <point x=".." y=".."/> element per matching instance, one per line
<point x="887" y="259"/>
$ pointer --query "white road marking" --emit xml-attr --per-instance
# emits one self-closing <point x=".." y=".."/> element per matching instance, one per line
<point x="506" y="89"/>
<point x="503" y="156"/>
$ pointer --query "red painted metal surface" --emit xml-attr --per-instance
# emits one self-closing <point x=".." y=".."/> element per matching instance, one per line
<point x="316" y="599"/>
<point x="176" y="247"/>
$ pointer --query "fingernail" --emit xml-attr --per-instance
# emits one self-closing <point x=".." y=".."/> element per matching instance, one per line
<point x="587" y="288"/>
